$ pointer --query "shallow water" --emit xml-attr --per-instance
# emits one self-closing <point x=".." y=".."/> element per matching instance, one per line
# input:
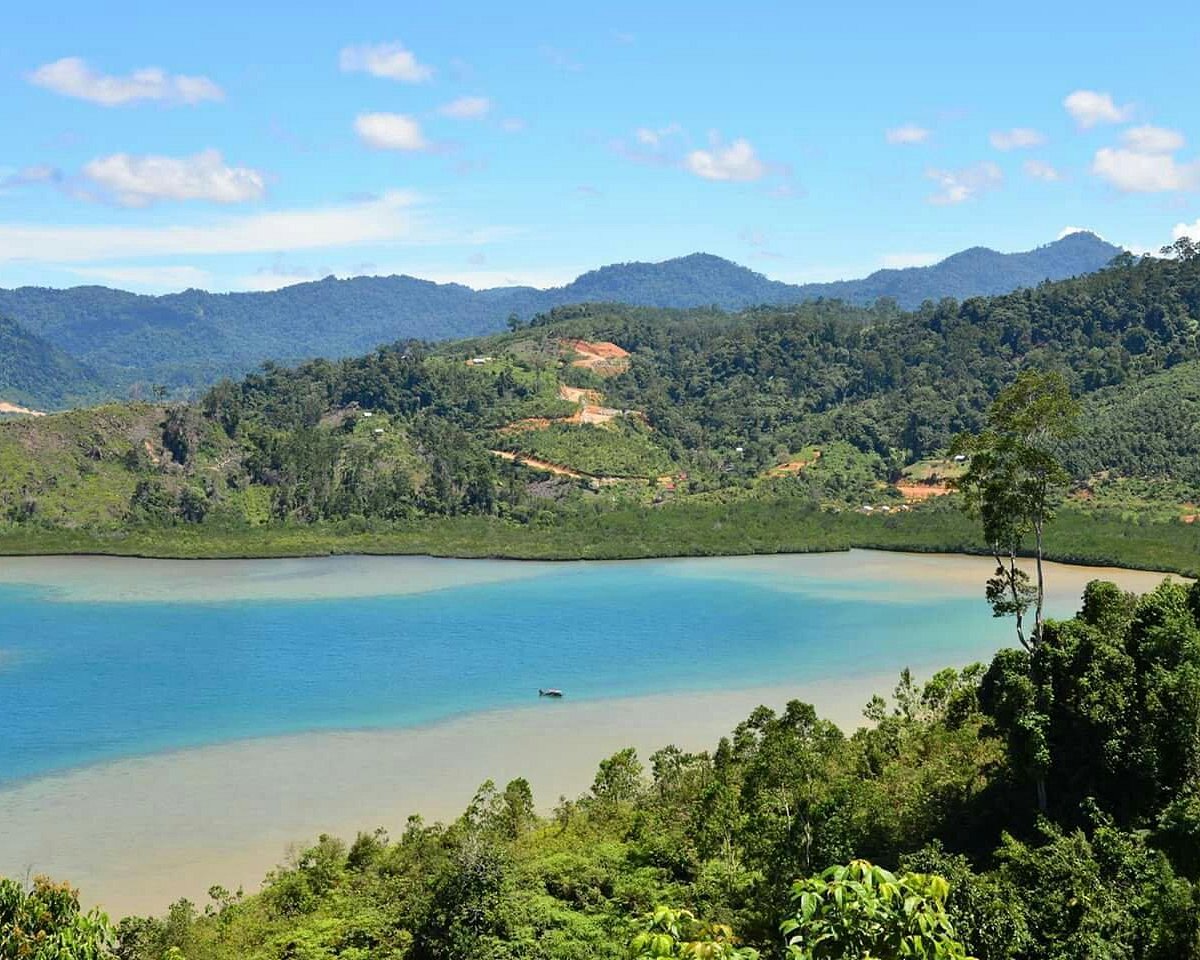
<point x="142" y="696"/>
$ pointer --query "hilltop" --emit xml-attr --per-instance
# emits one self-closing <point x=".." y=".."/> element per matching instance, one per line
<point x="187" y="341"/>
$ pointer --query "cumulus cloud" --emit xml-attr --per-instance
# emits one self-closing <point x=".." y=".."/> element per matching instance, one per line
<point x="908" y="133"/>
<point x="1150" y="139"/>
<point x="1018" y="138"/>
<point x="1182" y="230"/>
<point x="391" y="61"/>
<point x="384" y="219"/>
<point x="1067" y="231"/>
<point x="735" y="161"/>
<point x="1040" y="170"/>
<point x="139" y="181"/>
<point x="1090" y="108"/>
<point x="1146" y="162"/>
<point x="390" y="131"/>
<point x="1133" y="172"/>
<point x="959" y="186"/>
<point x="72" y="77"/>
<point x="466" y="108"/>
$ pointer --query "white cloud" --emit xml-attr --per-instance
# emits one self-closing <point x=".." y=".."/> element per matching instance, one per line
<point x="1134" y="171"/>
<point x="1018" y="138"/>
<point x="140" y="181"/>
<point x="158" y="278"/>
<point x="1149" y="139"/>
<point x="1191" y="230"/>
<point x="1090" y="108"/>
<point x="653" y="137"/>
<point x="387" y="219"/>
<point x="901" y="261"/>
<point x="390" y="131"/>
<point x="1040" y="170"/>
<point x="909" y="133"/>
<point x="958" y="186"/>
<point x="1146" y="162"/>
<point x="466" y="108"/>
<point x="72" y="77"/>
<point x="390" y="61"/>
<point x="737" y="161"/>
<point x="513" y="125"/>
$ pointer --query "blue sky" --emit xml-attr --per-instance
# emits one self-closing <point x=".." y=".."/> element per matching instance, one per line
<point x="245" y="146"/>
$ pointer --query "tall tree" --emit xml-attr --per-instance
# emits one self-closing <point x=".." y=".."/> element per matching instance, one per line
<point x="1012" y="482"/>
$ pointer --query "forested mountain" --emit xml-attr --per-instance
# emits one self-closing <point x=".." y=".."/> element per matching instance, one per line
<point x="189" y="340"/>
<point x="834" y="405"/>
<point x="33" y="371"/>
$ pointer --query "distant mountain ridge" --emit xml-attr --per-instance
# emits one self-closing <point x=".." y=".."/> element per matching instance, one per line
<point x="37" y="372"/>
<point x="190" y="339"/>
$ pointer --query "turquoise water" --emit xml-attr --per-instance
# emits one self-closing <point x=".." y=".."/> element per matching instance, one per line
<point x="84" y="682"/>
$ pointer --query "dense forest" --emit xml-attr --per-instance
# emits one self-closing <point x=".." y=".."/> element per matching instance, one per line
<point x="34" y="372"/>
<point x="187" y="341"/>
<point x="598" y="408"/>
<point x="1045" y="806"/>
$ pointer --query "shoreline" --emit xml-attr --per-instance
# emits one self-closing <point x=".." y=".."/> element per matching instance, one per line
<point x="232" y="811"/>
<point x="103" y="578"/>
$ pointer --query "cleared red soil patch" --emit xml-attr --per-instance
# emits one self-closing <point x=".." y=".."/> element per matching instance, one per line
<point x="579" y="395"/>
<point x="922" y="491"/>
<point x="604" y="358"/>
<point x="793" y="466"/>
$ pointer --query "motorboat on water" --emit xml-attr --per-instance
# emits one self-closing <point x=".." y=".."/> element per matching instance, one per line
<point x="549" y="692"/>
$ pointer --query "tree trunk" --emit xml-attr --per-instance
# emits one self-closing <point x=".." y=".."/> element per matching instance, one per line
<point x="1041" y="585"/>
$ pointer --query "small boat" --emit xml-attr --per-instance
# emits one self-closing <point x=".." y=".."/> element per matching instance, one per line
<point x="550" y="692"/>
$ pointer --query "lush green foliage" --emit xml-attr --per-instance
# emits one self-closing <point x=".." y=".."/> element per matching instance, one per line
<point x="45" y="922"/>
<point x="861" y="910"/>
<point x="34" y="372"/>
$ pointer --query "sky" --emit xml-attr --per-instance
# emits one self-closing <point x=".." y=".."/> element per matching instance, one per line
<point x="248" y="146"/>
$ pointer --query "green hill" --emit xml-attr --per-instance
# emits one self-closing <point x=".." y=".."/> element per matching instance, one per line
<point x="819" y="407"/>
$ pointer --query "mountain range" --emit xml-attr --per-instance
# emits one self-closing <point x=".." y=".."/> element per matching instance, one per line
<point x="105" y="341"/>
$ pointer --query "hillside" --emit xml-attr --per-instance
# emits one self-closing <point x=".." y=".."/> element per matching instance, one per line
<point x="32" y="371"/>
<point x="189" y="340"/>
<point x="596" y="414"/>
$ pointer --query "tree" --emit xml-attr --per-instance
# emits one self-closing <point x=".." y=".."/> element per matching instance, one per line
<point x="1185" y="248"/>
<point x="862" y="911"/>
<point x="514" y="322"/>
<point x="46" y="923"/>
<point x="1012" y="482"/>
<point x="667" y="933"/>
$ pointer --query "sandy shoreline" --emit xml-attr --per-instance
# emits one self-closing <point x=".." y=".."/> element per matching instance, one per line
<point x="173" y="824"/>
<point x="99" y="579"/>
